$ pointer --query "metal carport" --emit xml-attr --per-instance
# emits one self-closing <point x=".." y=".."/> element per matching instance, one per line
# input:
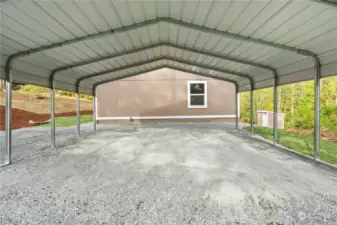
<point x="77" y="45"/>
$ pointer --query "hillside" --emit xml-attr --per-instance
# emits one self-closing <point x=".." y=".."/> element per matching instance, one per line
<point x="26" y="107"/>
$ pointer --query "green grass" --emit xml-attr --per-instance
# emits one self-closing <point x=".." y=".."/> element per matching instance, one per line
<point x="69" y="121"/>
<point x="299" y="143"/>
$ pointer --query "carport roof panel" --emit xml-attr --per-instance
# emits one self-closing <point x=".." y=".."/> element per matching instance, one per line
<point x="209" y="26"/>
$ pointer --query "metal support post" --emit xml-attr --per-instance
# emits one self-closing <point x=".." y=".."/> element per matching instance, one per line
<point x="237" y="109"/>
<point x="317" y="115"/>
<point x="275" y="122"/>
<point x="8" y="123"/>
<point x="252" y="112"/>
<point x="52" y="115"/>
<point x="78" y="114"/>
<point x="94" y="110"/>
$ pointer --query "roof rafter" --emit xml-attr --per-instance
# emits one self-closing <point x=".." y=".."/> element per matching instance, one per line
<point x="161" y="67"/>
<point x="155" y="21"/>
<point x="78" y="82"/>
<point x="327" y="2"/>
<point x="163" y="44"/>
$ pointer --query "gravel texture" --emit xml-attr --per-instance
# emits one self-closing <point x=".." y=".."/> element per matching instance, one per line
<point x="161" y="174"/>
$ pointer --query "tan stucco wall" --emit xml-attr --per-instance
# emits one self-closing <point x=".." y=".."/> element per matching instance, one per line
<point x="162" y="93"/>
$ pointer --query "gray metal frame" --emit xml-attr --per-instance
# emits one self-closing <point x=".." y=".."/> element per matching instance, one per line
<point x="317" y="108"/>
<point x="55" y="72"/>
<point x="165" y="58"/>
<point x="78" y="113"/>
<point x="162" y="44"/>
<point x="52" y="116"/>
<point x="237" y="106"/>
<point x="161" y="67"/>
<point x="176" y="22"/>
<point x="94" y="110"/>
<point x="8" y="121"/>
<point x="275" y="111"/>
<point x="180" y="61"/>
<point x="252" y="111"/>
<point x="327" y="2"/>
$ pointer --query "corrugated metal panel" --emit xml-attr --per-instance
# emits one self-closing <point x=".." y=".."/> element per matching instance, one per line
<point x="3" y="59"/>
<point x="314" y="34"/>
<point x="282" y="17"/>
<point x="108" y="12"/>
<point x="42" y="60"/>
<point x="16" y="13"/>
<point x="302" y="24"/>
<point x="28" y="78"/>
<point x="202" y="12"/>
<point x="123" y="12"/>
<point x="264" y="84"/>
<point x="18" y="28"/>
<point x="234" y="11"/>
<point x="298" y="20"/>
<point x="266" y="14"/>
<point x="54" y="11"/>
<point x="329" y="56"/>
<point x="329" y="69"/>
<point x="323" y="43"/>
<point x="252" y="10"/>
<point x="12" y="44"/>
<point x="311" y="24"/>
<point x="176" y="9"/>
<point x="303" y="75"/>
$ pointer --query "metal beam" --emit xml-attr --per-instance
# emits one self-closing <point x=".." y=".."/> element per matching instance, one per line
<point x="237" y="106"/>
<point x="327" y="2"/>
<point x="252" y="111"/>
<point x="165" y="58"/>
<point x="8" y="121"/>
<point x="161" y="44"/>
<point x="153" y="22"/>
<point x="94" y="109"/>
<point x="161" y="67"/>
<point x="78" y="114"/>
<point x="317" y="107"/>
<point x="275" y="113"/>
<point x="52" y="115"/>
<point x="170" y="21"/>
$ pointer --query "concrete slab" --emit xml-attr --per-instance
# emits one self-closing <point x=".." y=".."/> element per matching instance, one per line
<point x="165" y="174"/>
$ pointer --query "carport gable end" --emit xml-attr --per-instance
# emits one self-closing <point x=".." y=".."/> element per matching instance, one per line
<point x="165" y="95"/>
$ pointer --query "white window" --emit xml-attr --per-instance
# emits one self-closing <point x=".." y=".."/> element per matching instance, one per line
<point x="197" y="94"/>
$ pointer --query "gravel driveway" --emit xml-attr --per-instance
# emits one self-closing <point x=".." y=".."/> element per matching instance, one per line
<point x="163" y="174"/>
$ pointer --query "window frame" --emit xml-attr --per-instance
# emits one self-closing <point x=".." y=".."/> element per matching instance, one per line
<point x="189" y="94"/>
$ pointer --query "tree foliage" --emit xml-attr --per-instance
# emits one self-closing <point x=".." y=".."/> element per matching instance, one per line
<point x="39" y="90"/>
<point x="297" y="102"/>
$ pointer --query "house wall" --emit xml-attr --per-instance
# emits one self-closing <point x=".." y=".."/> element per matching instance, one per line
<point x="162" y="96"/>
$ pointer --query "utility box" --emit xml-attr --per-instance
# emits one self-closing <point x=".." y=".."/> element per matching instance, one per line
<point x="266" y="119"/>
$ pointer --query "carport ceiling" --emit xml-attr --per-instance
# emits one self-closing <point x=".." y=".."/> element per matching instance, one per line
<point x="88" y="37"/>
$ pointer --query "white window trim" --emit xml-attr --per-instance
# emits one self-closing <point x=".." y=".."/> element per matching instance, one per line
<point x="189" y="94"/>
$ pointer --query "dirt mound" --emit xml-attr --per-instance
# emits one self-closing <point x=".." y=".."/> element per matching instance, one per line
<point x="21" y="117"/>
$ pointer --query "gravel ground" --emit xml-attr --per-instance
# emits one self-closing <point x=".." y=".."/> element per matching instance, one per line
<point x="161" y="174"/>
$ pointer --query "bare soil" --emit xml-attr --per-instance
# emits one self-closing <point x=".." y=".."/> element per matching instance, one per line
<point x="28" y="107"/>
<point x="30" y="103"/>
<point x="21" y="117"/>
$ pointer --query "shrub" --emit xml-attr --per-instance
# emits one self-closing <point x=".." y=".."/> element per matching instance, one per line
<point x="245" y="119"/>
<point x="33" y="89"/>
<point x="38" y="90"/>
